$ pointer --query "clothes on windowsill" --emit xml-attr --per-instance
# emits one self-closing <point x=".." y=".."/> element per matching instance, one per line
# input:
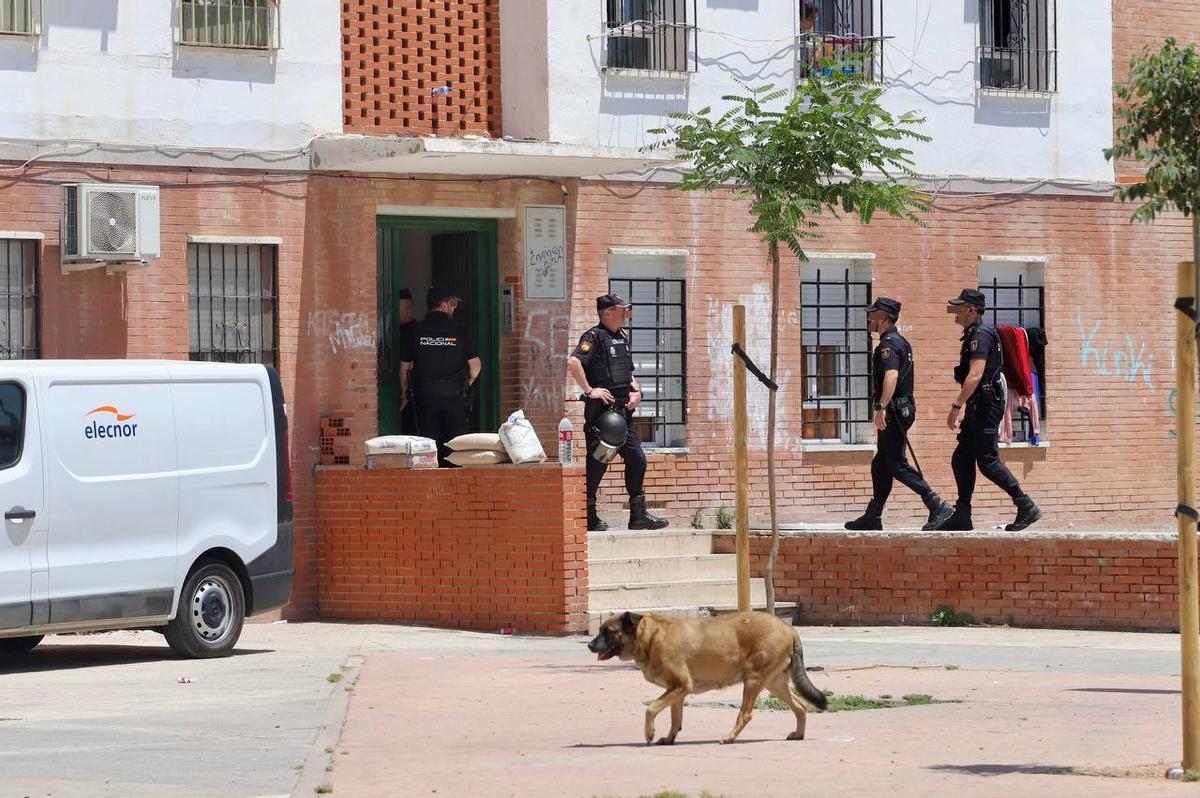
<point x="1017" y="365"/>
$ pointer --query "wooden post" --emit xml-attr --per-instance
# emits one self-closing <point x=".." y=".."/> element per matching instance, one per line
<point x="742" y="475"/>
<point x="1189" y="609"/>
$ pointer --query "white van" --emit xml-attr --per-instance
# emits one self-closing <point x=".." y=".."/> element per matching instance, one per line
<point x="142" y="494"/>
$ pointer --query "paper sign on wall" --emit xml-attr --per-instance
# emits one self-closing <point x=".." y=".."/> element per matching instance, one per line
<point x="545" y="252"/>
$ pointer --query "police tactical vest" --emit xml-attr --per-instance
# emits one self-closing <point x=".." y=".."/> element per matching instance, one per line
<point x="613" y="368"/>
<point x="906" y="378"/>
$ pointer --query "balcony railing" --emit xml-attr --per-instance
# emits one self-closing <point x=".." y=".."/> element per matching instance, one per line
<point x="243" y="24"/>
<point x="824" y="53"/>
<point x="655" y="35"/>
<point x="20" y="17"/>
<point x="1018" y="69"/>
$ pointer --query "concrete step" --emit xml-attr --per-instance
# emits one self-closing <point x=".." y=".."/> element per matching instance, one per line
<point x="648" y="543"/>
<point x="681" y="593"/>
<point x="597" y="617"/>
<point x="628" y="570"/>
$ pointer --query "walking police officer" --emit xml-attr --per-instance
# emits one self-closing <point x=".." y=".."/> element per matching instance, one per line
<point x="979" y="407"/>
<point x="404" y="328"/>
<point x="895" y="412"/>
<point x="602" y="365"/>
<point x="442" y="359"/>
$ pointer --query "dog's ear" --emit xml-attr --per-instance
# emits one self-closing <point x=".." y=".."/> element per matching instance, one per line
<point x="629" y="621"/>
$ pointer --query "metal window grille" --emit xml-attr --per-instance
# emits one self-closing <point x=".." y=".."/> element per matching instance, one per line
<point x="845" y="35"/>
<point x="1018" y="42"/>
<point x="232" y="303"/>
<point x="247" y="24"/>
<point x="19" y="295"/>
<point x="651" y="34"/>
<point x="836" y="348"/>
<point x="658" y="337"/>
<point x="1021" y="304"/>
<point x="18" y="17"/>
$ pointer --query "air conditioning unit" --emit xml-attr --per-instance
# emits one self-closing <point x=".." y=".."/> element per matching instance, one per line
<point x="113" y="225"/>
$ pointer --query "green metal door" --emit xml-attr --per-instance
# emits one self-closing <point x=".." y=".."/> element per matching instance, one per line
<point x="465" y="257"/>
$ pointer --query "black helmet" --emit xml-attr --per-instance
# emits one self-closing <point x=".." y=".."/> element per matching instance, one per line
<point x="612" y="429"/>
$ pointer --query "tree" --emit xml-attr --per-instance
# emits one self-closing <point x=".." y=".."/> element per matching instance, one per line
<point x="1160" y="124"/>
<point x="831" y="148"/>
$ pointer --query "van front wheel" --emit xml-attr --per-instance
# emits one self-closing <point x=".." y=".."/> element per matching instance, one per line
<point x="211" y="610"/>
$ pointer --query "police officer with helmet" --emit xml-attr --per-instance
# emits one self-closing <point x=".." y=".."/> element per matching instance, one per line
<point x="977" y="412"/>
<point x="602" y="366"/>
<point x="442" y="360"/>
<point x="894" y="414"/>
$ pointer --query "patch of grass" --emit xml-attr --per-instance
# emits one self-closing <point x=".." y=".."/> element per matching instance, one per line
<point x="951" y="667"/>
<point x="329" y="749"/>
<point x="333" y="678"/>
<point x="698" y="520"/>
<point x="724" y="518"/>
<point x="918" y="699"/>
<point x="1191" y="775"/>
<point x="770" y="702"/>
<point x="850" y="703"/>
<point x="885" y="696"/>
<point x="945" y="615"/>
<point x="322" y="789"/>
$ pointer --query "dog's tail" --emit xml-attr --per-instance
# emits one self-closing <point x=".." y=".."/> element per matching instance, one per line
<point x="800" y="677"/>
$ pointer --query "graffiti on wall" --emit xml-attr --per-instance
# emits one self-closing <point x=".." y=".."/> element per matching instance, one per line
<point x="548" y="337"/>
<point x="1125" y="358"/>
<point x="343" y="330"/>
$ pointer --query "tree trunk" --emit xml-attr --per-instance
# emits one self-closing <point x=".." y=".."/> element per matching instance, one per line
<point x="769" y="576"/>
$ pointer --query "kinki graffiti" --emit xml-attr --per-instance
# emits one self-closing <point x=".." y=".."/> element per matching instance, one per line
<point x="1128" y="361"/>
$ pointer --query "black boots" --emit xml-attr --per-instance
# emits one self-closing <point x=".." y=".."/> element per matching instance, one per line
<point x="1027" y="513"/>
<point x="871" y="520"/>
<point x="939" y="511"/>
<point x="595" y="522"/>
<point x="639" y="518"/>
<point x="959" y="520"/>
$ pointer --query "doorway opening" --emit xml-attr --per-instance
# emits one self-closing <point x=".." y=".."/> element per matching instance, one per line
<point x="415" y="252"/>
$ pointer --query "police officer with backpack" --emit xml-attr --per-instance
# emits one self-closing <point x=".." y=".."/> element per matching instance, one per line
<point x="895" y="412"/>
<point x="602" y="366"/>
<point x="977" y="412"/>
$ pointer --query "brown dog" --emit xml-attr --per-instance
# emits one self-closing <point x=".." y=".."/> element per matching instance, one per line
<point x="685" y="656"/>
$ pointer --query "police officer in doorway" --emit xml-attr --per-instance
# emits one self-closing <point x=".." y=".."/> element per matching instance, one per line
<point x="978" y="408"/>
<point x="441" y="359"/>
<point x="602" y="365"/>
<point x="404" y="327"/>
<point x="894" y="414"/>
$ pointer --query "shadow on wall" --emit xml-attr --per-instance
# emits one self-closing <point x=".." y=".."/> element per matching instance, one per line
<point x="650" y="99"/>
<point x="214" y="63"/>
<point x="1000" y="110"/>
<point x="99" y="15"/>
<point x="18" y="54"/>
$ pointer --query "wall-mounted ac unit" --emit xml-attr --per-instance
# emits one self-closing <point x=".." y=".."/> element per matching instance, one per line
<point x="113" y="225"/>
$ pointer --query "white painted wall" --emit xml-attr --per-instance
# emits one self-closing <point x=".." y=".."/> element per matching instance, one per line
<point x="929" y="67"/>
<point x="107" y="70"/>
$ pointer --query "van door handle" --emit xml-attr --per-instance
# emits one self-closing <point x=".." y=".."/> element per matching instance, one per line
<point x="18" y="514"/>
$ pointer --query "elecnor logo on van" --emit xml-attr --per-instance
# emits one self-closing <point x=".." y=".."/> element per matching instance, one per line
<point x="100" y="429"/>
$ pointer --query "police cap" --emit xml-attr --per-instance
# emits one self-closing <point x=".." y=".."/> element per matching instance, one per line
<point x="887" y="305"/>
<point x="969" y="296"/>
<point x="610" y="301"/>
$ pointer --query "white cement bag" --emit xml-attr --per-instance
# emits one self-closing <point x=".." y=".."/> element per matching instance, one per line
<point x="476" y="442"/>
<point x="520" y="441"/>
<point x="401" y="444"/>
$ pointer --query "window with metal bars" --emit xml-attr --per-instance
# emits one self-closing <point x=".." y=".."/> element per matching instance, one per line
<point x="651" y="34"/>
<point x="843" y="35"/>
<point x="20" y="17"/>
<point x="19" y="295"/>
<point x="1018" y="42"/>
<point x="246" y="24"/>
<point x="658" y="338"/>
<point x="232" y="303"/>
<point x="836" y="351"/>
<point x="1016" y="296"/>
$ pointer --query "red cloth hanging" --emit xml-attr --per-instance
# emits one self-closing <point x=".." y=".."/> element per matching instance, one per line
<point x="1016" y="359"/>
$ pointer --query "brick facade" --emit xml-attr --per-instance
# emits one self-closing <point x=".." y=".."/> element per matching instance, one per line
<point x="1082" y="581"/>
<point x="395" y="53"/>
<point x="470" y="549"/>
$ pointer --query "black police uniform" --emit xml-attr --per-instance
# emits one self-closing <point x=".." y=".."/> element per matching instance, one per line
<point x="890" y="463"/>
<point x="608" y="363"/>
<point x="979" y="434"/>
<point x="439" y="348"/>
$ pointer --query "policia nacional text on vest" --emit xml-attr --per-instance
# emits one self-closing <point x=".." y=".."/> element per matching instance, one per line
<point x="602" y="363"/>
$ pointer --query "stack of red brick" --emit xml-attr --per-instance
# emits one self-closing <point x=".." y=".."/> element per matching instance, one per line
<point x="336" y="438"/>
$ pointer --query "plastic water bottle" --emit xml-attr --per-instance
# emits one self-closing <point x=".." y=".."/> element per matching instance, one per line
<point x="566" y="441"/>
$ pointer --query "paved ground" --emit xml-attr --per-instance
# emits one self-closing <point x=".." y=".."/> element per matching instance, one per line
<point x="429" y="712"/>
